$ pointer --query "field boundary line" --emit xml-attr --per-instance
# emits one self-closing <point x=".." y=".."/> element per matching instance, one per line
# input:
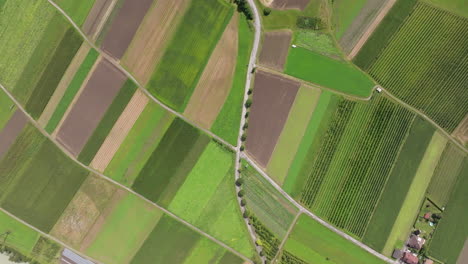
<point x="290" y="229"/>
<point x="116" y="63"/>
<point x="101" y="175"/>
<point x="63" y="244"/>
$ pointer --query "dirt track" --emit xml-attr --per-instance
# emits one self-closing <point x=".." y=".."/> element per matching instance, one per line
<point x="11" y="131"/>
<point x="272" y="99"/>
<point x="461" y="132"/>
<point x="275" y="49"/>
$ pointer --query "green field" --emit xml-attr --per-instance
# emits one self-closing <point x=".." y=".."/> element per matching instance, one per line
<point x="314" y="243"/>
<point x="458" y="7"/>
<point x="445" y="175"/>
<point x="398" y="185"/>
<point x="227" y="122"/>
<point x="21" y="237"/>
<point x="77" y="10"/>
<point x="7" y="108"/>
<point x="293" y="131"/>
<point x="452" y="231"/>
<point x="205" y="251"/>
<point x="41" y="190"/>
<point x="430" y="73"/>
<point x="323" y="71"/>
<point x="170" y="162"/>
<point x="107" y="122"/>
<point x="188" y="52"/>
<point x="415" y="197"/>
<point x="124" y="230"/>
<point x="382" y="35"/>
<point x="317" y="42"/>
<point x="140" y="142"/>
<point x="344" y="13"/>
<point x="270" y="207"/>
<point x="72" y="90"/>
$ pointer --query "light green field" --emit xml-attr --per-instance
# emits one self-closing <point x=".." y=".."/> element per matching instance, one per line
<point x="140" y="142"/>
<point x="344" y="12"/>
<point x="317" y="42"/>
<point x="21" y="237"/>
<point x="15" y="50"/>
<point x="458" y="7"/>
<point x="205" y="251"/>
<point x="292" y="133"/>
<point x="77" y="10"/>
<point x="415" y="196"/>
<point x="7" y="108"/>
<point x="317" y="244"/>
<point x="124" y="231"/>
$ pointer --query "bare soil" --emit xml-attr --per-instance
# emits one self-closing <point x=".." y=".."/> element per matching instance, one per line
<point x="63" y="85"/>
<point x="11" y="131"/>
<point x="99" y="92"/>
<point x="275" y="49"/>
<point x="97" y="16"/>
<point x="216" y="81"/>
<point x="273" y="97"/>
<point x="461" y="132"/>
<point x="120" y="130"/>
<point x="124" y="27"/>
<point x="463" y="257"/>
<point x="152" y="37"/>
<point x="290" y="4"/>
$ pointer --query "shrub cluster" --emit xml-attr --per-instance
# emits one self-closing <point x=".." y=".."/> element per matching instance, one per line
<point x="268" y="240"/>
<point x="288" y="258"/>
<point x="310" y="23"/>
<point x="244" y="8"/>
<point x="16" y="256"/>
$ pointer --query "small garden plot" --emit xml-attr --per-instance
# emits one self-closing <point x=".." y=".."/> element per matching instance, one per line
<point x="188" y="52"/>
<point x="275" y="49"/>
<point x="124" y="230"/>
<point x="21" y="237"/>
<point x="171" y="162"/>
<point x="314" y="243"/>
<point x="427" y="220"/>
<point x="322" y="70"/>
<point x="77" y="10"/>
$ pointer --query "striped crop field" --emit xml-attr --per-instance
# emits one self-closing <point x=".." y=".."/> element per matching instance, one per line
<point x="426" y="63"/>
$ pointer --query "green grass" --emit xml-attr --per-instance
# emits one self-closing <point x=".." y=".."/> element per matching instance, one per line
<point x="227" y="122"/>
<point x="314" y="243"/>
<point x="170" y="162"/>
<point x="322" y="70"/>
<point x="458" y="7"/>
<point x="77" y="10"/>
<point x="270" y="207"/>
<point x="317" y="42"/>
<point x="430" y="74"/>
<point x="107" y="122"/>
<point x="316" y="127"/>
<point x="20" y="35"/>
<point x="451" y="233"/>
<point x="72" y="90"/>
<point x="293" y="131"/>
<point x="44" y="190"/>
<point x="398" y="184"/>
<point x="21" y="237"/>
<point x="205" y="251"/>
<point x="139" y="144"/>
<point x="415" y="197"/>
<point x="383" y="33"/>
<point x="124" y="231"/>
<point x="53" y="72"/>
<point x="188" y="52"/>
<point x="7" y="108"/>
<point x="344" y="12"/>
<point x="173" y="241"/>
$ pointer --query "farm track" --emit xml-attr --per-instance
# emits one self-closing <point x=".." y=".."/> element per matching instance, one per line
<point x="280" y="247"/>
<point x="66" y="152"/>
<point x="116" y="63"/>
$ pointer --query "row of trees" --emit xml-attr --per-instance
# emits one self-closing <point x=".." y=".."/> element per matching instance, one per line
<point x="288" y="258"/>
<point x="243" y="7"/>
<point x="15" y="255"/>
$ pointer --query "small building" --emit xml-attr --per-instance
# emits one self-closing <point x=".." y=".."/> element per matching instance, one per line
<point x="410" y="258"/>
<point x="397" y="253"/>
<point x="70" y="257"/>
<point x="428" y="261"/>
<point x="416" y="242"/>
<point x="427" y="216"/>
<point x="379" y="89"/>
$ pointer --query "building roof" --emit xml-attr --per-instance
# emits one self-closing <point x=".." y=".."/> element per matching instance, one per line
<point x="428" y="261"/>
<point x="397" y="254"/>
<point x="410" y="258"/>
<point x="427" y="216"/>
<point x="416" y="242"/>
<point x="70" y="257"/>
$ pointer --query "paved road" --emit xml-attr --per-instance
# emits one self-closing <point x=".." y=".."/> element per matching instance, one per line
<point x="66" y="152"/>
<point x="116" y="63"/>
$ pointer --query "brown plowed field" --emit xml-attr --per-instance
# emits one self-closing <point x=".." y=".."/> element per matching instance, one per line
<point x="290" y="4"/>
<point x="11" y="130"/>
<point x="63" y="85"/>
<point x="124" y="27"/>
<point x="101" y="89"/>
<point x="275" y="49"/>
<point x="463" y="257"/>
<point x="216" y="81"/>
<point x="273" y="97"/>
<point x="97" y="16"/>
<point x="462" y="131"/>
<point x="151" y="39"/>
<point x="120" y="130"/>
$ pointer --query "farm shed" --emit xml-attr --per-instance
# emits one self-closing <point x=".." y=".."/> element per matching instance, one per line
<point x="70" y="257"/>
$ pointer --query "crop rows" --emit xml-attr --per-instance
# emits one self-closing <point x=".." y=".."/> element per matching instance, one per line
<point x="270" y="243"/>
<point x="349" y="172"/>
<point x="288" y="258"/>
<point x="427" y="68"/>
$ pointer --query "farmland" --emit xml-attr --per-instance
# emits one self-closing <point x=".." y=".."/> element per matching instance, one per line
<point x="183" y="61"/>
<point x="344" y="13"/>
<point x="77" y="10"/>
<point x="322" y="70"/>
<point x="22" y="237"/>
<point x="316" y="42"/>
<point x="7" y="109"/>
<point x="314" y="243"/>
<point x="437" y="87"/>
<point x="275" y="49"/>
